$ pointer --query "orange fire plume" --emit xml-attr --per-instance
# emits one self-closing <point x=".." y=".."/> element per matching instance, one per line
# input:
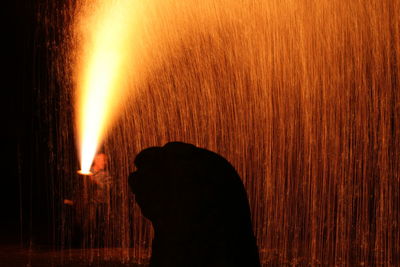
<point x="105" y="30"/>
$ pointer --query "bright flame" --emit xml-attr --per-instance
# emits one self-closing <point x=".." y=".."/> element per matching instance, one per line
<point x="105" y="29"/>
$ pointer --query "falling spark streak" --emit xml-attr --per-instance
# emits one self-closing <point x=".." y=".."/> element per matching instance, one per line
<point x="105" y="29"/>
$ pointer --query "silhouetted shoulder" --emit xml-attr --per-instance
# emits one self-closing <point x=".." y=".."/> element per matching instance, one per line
<point x="198" y="207"/>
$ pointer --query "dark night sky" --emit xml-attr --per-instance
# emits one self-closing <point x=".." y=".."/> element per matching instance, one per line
<point x="16" y="95"/>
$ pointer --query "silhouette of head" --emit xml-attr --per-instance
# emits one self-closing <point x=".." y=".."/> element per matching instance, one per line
<point x="198" y="207"/>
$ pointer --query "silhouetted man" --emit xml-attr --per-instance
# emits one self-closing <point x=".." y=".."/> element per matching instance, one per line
<point x="198" y="206"/>
<point x="98" y="206"/>
<point x="92" y="205"/>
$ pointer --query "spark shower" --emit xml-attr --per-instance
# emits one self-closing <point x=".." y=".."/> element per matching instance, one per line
<point x="301" y="97"/>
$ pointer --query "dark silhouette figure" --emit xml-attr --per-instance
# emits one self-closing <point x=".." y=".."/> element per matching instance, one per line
<point x="198" y="206"/>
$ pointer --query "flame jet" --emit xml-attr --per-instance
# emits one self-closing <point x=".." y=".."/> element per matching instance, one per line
<point x="104" y="32"/>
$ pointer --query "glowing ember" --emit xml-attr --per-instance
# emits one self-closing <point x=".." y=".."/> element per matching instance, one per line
<point x="84" y="173"/>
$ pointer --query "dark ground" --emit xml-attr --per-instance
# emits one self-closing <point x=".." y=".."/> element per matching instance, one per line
<point x="16" y="256"/>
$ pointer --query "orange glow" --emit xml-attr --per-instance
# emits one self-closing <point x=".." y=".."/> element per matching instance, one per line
<point x="85" y="173"/>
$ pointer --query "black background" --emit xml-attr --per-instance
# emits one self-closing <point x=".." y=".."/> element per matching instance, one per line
<point x="22" y="61"/>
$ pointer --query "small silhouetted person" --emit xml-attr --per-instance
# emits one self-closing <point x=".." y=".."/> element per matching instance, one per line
<point x="92" y="205"/>
<point x="198" y="206"/>
<point x="98" y="209"/>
